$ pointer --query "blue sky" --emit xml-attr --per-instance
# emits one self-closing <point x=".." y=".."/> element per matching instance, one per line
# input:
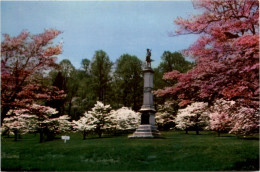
<point x="117" y="27"/>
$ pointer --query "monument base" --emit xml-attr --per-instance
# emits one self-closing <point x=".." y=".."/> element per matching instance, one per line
<point x="146" y="131"/>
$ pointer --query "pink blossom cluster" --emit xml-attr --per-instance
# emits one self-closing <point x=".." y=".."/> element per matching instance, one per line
<point x="234" y="118"/>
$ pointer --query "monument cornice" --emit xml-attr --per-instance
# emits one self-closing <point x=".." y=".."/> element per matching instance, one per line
<point x="148" y="69"/>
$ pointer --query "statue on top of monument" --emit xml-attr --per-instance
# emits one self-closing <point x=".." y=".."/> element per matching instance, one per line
<point x="148" y="57"/>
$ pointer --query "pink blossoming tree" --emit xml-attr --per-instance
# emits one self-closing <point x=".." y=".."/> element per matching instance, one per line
<point x="221" y="115"/>
<point x="24" y="61"/>
<point x="226" y="54"/>
<point x="231" y="117"/>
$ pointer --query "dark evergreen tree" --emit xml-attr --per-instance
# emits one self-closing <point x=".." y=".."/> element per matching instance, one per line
<point x="59" y="105"/>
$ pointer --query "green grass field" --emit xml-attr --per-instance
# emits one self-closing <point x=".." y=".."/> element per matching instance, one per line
<point x="177" y="152"/>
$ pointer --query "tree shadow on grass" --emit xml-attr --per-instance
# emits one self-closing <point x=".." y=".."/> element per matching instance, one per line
<point x="248" y="165"/>
<point x="11" y="169"/>
<point x="103" y="137"/>
<point x="225" y="136"/>
<point x="249" y="138"/>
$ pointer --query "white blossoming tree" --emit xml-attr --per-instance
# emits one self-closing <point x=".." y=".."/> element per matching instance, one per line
<point x="194" y="116"/>
<point x="125" y="119"/>
<point x="100" y="118"/>
<point x="17" y="122"/>
<point x="36" y="118"/>
<point x="57" y="126"/>
<point x="165" y="116"/>
<point x="84" y="124"/>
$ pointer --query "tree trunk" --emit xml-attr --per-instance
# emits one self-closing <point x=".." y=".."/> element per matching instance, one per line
<point x="186" y="131"/>
<point x="218" y="133"/>
<point x="4" y="111"/>
<point x="15" y="134"/>
<point x="197" y="130"/>
<point x="124" y="98"/>
<point x="196" y="124"/>
<point x="41" y="135"/>
<point x="69" y="109"/>
<point x="99" y="134"/>
<point x="99" y="131"/>
<point x="84" y="135"/>
<point x="135" y="102"/>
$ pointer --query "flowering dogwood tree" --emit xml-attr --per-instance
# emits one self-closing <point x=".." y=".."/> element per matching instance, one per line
<point x="165" y="115"/>
<point x="17" y="122"/>
<point x="232" y="117"/>
<point x="57" y="126"/>
<point x="226" y="54"/>
<point x="221" y="115"/>
<point x="245" y="121"/>
<point x="24" y="60"/>
<point x="101" y="118"/>
<point x="37" y="118"/>
<point x="125" y="119"/>
<point x="85" y="124"/>
<point x="193" y="116"/>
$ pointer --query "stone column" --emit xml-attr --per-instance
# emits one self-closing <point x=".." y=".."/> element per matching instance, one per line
<point x="147" y="128"/>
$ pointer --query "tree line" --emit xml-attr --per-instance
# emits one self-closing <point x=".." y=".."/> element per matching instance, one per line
<point x="119" y="84"/>
<point x="39" y="95"/>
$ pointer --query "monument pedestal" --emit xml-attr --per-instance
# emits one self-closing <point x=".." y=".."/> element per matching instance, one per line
<point x="147" y="128"/>
<point x="146" y="131"/>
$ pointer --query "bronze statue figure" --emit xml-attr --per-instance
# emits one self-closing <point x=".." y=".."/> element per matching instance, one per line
<point x="148" y="57"/>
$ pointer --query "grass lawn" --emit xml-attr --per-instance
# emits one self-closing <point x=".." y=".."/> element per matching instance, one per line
<point x="177" y="152"/>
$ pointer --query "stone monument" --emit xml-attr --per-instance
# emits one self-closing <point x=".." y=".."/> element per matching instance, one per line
<point x="147" y="128"/>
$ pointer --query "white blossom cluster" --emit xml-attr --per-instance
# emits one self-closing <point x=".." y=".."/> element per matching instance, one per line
<point x="101" y="117"/>
<point x="85" y="123"/>
<point x="192" y="115"/>
<point x="126" y="119"/>
<point x="98" y="119"/>
<point x="165" y="114"/>
<point x="17" y="120"/>
<point x="33" y="118"/>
